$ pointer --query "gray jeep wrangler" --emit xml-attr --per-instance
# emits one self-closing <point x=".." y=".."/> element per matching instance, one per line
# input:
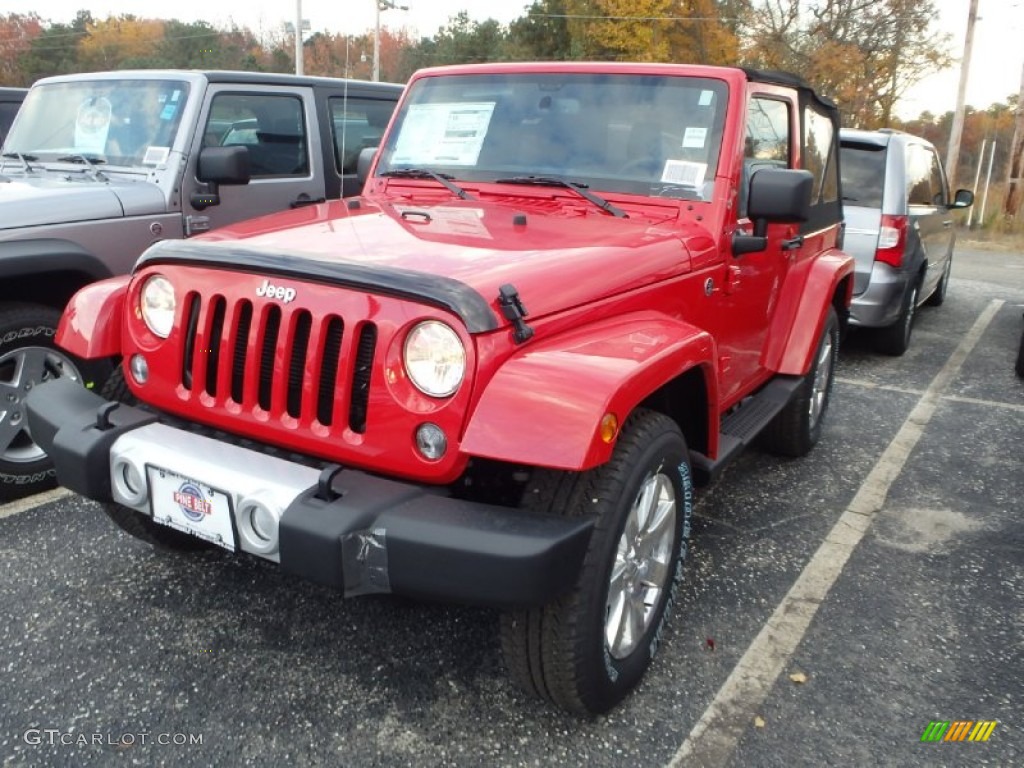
<point x="98" y="167"/>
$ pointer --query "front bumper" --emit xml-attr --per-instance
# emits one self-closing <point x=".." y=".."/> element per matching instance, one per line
<point x="351" y="530"/>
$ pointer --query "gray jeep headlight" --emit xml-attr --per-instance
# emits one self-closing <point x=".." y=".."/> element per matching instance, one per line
<point x="434" y="359"/>
<point x="157" y="304"/>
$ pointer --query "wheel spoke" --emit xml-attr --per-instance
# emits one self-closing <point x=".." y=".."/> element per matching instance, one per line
<point x="655" y="574"/>
<point x="645" y="502"/>
<point x="9" y="431"/>
<point x="635" y="619"/>
<point x="29" y="366"/>
<point x="615" y="625"/>
<point x="661" y="522"/>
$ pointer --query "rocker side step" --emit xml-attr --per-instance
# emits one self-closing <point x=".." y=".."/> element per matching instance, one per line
<point x="743" y="424"/>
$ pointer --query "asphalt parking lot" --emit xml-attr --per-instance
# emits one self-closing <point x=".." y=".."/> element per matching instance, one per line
<point x="833" y="607"/>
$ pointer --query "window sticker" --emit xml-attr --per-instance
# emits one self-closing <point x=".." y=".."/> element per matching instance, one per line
<point x="694" y="137"/>
<point x="92" y="124"/>
<point x="684" y="172"/>
<point x="156" y="155"/>
<point x="446" y="134"/>
<point x="167" y="113"/>
<point x="705" y="98"/>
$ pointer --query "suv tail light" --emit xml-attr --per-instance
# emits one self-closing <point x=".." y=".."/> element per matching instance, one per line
<point x="892" y="240"/>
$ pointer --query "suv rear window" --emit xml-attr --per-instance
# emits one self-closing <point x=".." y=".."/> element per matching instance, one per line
<point x="863" y="170"/>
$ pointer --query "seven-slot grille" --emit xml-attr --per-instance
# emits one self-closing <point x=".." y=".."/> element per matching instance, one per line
<point x="281" y="360"/>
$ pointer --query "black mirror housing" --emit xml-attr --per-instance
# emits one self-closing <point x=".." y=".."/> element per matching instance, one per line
<point x="223" y="165"/>
<point x="964" y="198"/>
<point x="778" y="194"/>
<point x="363" y="163"/>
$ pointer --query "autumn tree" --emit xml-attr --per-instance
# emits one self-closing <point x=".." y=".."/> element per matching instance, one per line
<point x="197" y="45"/>
<point x="705" y="32"/>
<point x="120" y="42"/>
<point x="461" y="41"/>
<point x="17" y="32"/>
<point x="863" y="53"/>
<point x="542" y="33"/>
<point x="55" y="50"/>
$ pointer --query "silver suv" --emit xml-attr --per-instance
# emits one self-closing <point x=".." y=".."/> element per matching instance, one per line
<point x="897" y="206"/>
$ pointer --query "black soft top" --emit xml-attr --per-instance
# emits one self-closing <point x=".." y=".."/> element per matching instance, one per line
<point x="778" y="77"/>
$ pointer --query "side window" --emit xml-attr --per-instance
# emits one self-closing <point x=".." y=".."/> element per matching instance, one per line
<point x="940" y="194"/>
<point x="820" y="156"/>
<point x="767" y="141"/>
<point x="919" y="176"/>
<point x="356" y="123"/>
<point x="768" y="132"/>
<point x="270" y="126"/>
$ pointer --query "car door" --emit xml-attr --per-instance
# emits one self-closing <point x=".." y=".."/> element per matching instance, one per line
<point x="928" y="208"/>
<point x="278" y="127"/>
<point x="753" y="280"/>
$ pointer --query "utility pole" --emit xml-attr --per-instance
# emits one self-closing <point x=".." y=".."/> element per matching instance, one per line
<point x="382" y="5"/>
<point x="953" y="155"/>
<point x="1014" y="178"/>
<point x="298" y="37"/>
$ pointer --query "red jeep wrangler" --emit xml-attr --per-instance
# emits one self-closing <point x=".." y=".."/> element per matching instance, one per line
<point x="567" y="291"/>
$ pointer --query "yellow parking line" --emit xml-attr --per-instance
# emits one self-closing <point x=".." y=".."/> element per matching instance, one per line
<point x="715" y="736"/>
<point x="31" y="502"/>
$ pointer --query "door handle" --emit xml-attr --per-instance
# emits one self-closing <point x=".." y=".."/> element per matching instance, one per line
<point x="948" y="223"/>
<point x="305" y="199"/>
<point x="793" y="243"/>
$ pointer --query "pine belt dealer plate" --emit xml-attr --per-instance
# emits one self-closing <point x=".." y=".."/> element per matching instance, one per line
<point x="191" y="506"/>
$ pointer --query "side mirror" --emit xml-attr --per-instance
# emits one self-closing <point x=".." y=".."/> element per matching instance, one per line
<point x="224" y="165"/>
<point x="964" y="198"/>
<point x="779" y="194"/>
<point x="363" y="163"/>
<point x="219" y="165"/>
<point x="776" y="194"/>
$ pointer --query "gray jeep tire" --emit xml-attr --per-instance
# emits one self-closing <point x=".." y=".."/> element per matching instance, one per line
<point x="29" y="357"/>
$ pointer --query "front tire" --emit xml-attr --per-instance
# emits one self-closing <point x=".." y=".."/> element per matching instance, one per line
<point x="29" y="357"/>
<point x="938" y="297"/>
<point x="588" y="649"/>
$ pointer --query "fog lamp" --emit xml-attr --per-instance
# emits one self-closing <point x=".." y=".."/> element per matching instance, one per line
<point x="431" y="441"/>
<point x="139" y="368"/>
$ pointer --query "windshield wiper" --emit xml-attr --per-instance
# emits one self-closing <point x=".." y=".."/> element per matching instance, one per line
<point x="443" y="179"/>
<point x="575" y="186"/>
<point x="81" y="159"/>
<point x="85" y="160"/>
<point x="25" y="160"/>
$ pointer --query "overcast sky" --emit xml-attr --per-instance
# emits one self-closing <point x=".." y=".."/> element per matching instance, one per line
<point x="995" y="70"/>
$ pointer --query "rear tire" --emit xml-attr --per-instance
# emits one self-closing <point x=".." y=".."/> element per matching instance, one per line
<point x="586" y="650"/>
<point x="895" y="339"/>
<point x="1020" y="358"/>
<point x="29" y="357"/>
<point x="797" y="427"/>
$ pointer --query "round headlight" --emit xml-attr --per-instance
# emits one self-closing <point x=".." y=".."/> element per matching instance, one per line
<point x="157" y="304"/>
<point x="435" y="359"/>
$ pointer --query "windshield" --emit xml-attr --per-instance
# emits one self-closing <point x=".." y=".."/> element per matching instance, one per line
<point x="114" y="122"/>
<point x="637" y="134"/>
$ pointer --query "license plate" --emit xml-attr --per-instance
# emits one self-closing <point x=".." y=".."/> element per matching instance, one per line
<point x="191" y="506"/>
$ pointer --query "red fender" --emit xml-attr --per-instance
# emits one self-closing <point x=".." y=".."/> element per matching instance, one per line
<point x="545" y="405"/>
<point x="803" y="306"/>
<point x="91" y="324"/>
